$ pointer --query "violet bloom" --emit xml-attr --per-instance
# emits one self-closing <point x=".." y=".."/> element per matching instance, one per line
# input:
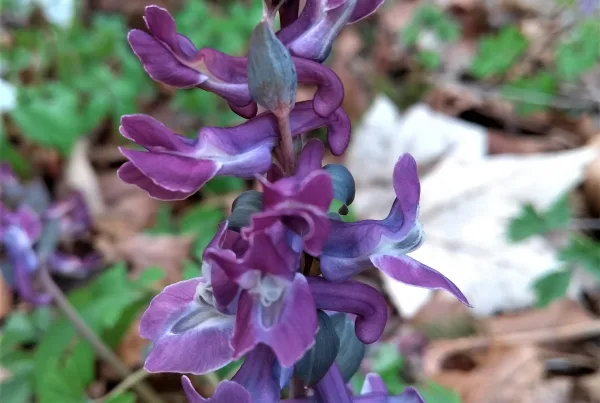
<point x="172" y="58"/>
<point x="312" y="34"/>
<point x="72" y="214"/>
<point x="354" y="247"/>
<point x="174" y="167"/>
<point x="19" y="231"/>
<point x="275" y="305"/>
<point x="300" y="201"/>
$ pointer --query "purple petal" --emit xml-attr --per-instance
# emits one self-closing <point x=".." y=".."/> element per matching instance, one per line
<point x="73" y="266"/>
<point x="28" y="221"/>
<point x="332" y="387"/>
<point x="356" y="298"/>
<point x="178" y="321"/>
<point x="364" y="8"/>
<point x="409" y="271"/>
<point x="172" y="172"/>
<point x="311" y="157"/>
<point x="350" y="244"/>
<point x="128" y="173"/>
<point x="258" y="375"/>
<point x="226" y="392"/>
<point x="373" y="384"/>
<point x="160" y="63"/>
<point x="330" y="90"/>
<point x="288" y="325"/>
<point x="314" y="40"/>
<point x="154" y="135"/>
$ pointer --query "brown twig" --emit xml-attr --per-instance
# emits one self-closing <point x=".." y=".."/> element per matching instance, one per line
<point x="438" y="351"/>
<point x="145" y="391"/>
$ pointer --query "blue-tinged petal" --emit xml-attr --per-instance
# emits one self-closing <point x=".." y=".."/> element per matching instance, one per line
<point x="356" y="298"/>
<point x="311" y="158"/>
<point x="332" y="388"/>
<point x="181" y="319"/>
<point x="364" y="8"/>
<point x="287" y="325"/>
<point x="260" y="375"/>
<point x="350" y="245"/>
<point x="226" y="392"/>
<point x="409" y="271"/>
<point x="373" y="384"/>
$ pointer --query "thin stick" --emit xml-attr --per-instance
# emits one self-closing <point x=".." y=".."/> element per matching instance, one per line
<point x="106" y="354"/>
<point x="439" y="351"/>
<point x="126" y="384"/>
<point x="286" y="144"/>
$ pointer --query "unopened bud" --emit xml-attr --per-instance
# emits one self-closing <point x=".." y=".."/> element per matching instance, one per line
<point x="272" y="75"/>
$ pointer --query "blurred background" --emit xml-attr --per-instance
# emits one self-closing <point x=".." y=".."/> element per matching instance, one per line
<point x="499" y="102"/>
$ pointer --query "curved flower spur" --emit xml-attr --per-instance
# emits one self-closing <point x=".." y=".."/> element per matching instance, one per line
<point x="277" y="282"/>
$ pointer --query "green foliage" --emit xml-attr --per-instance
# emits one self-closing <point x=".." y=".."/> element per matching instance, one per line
<point x="532" y="222"/>
<point x="532" y="93"/>
<point x="389" y="364"/>
<point x="551" y="287"/>
<point x="497" y="53"/>
<point x="584" y="252"/>
<point x="429" y="20"/>
<point x="95" y="77"/>
<point x="579" y="51"/>
<point x="63" y="365"/>
<point x="223" y="27"/>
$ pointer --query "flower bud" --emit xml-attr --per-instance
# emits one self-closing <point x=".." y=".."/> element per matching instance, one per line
<point x="272" y="75"/>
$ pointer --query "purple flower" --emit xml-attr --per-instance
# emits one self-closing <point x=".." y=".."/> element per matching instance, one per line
<point x="275" y="305"/>
<point x="301" y="201"/>
<point x="73" y="266"/>
<point x="173" y="59"/>
<point x="257" y="380"/>
<point x="354" y="247"/>
<point x="227" y="392"/>
<point x="72" y="214"/>
<point x="189" y="334"/>
<point x="588" y="6"/>
<point x="174" y="167"/>
<point x="333" y="389"/>
<point x="312" y="34"/>
<point x="19" y="231"/>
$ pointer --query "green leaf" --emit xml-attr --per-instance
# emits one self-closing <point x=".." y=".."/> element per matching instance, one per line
<point x="17" y="329"/>
<point x="127" y="397"/>
<point x="498" y="53"/>
<point x="200" y="219"/>
<point x="150" y="276"/>
<point x="433" y="392"/>
<point x="579" y="51"/>
<point x="531" y="222"/>
<point x="551" y="287"/>
<point x="224" y="185"/>
<point x="190" y="270"/>
<point x="17" y="388"/>
<point x="583" y="251"/>
<point x="9" y="154"/>
<point x="429" y="59"/>
<point x="531" y="94"/>
<point x="80" y="365"/>
<point x="387" y="359"/>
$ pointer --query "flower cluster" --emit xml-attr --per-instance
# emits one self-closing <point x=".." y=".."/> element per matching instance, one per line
<point x="277" y="285"/>
<point x="31" y="232"/>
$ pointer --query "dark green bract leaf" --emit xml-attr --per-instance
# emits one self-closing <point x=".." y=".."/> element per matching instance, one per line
<point x="551" y="287"/>
<point x="499" y="52"/>
<point x="313" y="366"/>
<point x="352" y="350"/>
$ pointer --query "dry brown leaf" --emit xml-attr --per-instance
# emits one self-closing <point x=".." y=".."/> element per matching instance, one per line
<point x="560" y="313"/>
<point x="6" y="299"/>
<point x="591" y="384"/>
<point x="165" y="251"/>
<point x="592" y="184"/>
<point x="80" y="175"/>
<point x="501" y="376"/>
<point x="131" y="347"/>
